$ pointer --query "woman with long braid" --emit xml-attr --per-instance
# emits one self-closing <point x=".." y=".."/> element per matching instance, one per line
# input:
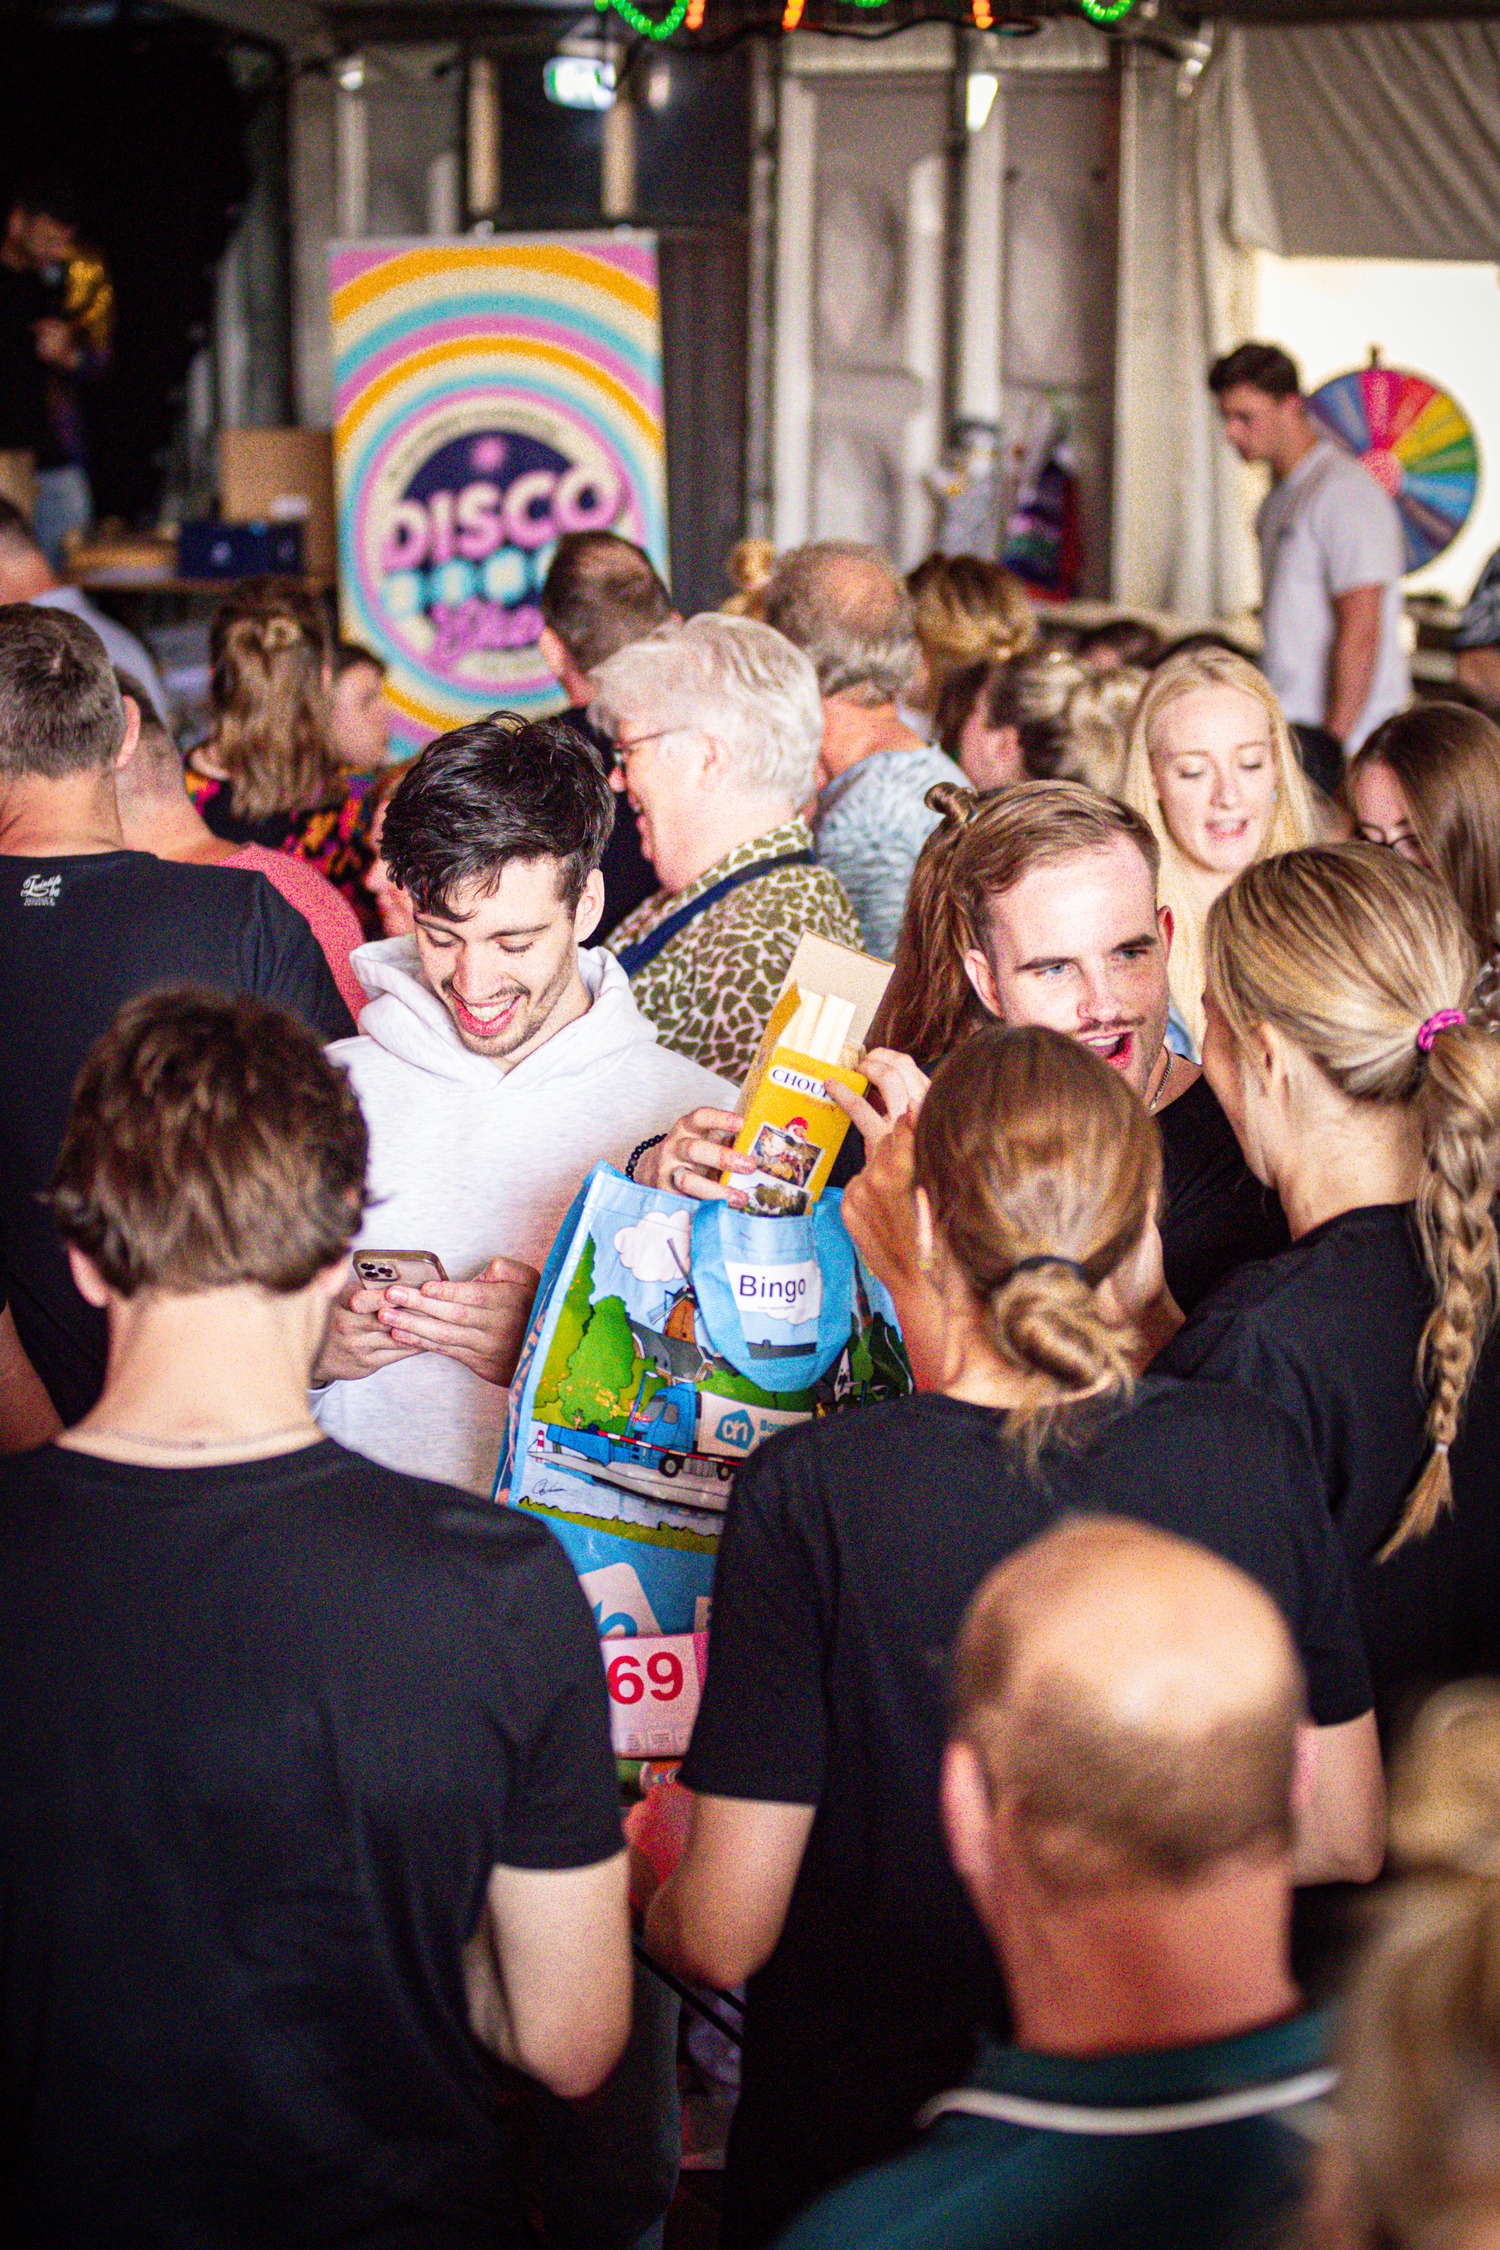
<point x="1360" y="1088"/>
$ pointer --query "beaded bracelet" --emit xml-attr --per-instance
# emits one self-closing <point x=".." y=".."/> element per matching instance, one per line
<point x="639" y="1151"/>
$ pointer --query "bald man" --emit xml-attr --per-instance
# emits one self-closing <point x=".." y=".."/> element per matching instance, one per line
<point x="844" y="607"/>
<point x="1119" y="1796"/>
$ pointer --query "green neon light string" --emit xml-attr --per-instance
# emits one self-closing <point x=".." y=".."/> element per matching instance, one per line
<point x="642" y="24"/>
<point x="1106" y="11"/>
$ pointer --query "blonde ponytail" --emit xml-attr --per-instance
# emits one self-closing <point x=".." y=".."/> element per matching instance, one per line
<point x="268" y="650"/>
<point x="1042" y="1171"/>
<point x="1363" y="962"/>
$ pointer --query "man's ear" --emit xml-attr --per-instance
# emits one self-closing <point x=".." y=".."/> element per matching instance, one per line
<point x="552" y="653"/>
<point x="968" y="1817"/>
<point x="127" y="748"/>
<point x="1166" y="926"/>
<point x="717" y="768"/>
<point x="334" y="1279"/>
<point x="590" y="907"/>
<point x="87" y="1279"/>
<point x="981" y="975"/>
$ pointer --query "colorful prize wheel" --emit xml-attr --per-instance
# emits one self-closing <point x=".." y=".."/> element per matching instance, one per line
<point x="1415" y="440"/>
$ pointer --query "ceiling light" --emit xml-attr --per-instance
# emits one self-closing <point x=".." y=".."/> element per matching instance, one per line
<point x="979" y="99"/>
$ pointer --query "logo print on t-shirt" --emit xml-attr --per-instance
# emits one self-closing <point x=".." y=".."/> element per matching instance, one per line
<point x="41" y="890"/>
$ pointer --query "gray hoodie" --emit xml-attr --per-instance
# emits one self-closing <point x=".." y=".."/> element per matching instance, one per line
<point x="471" y="1162"/>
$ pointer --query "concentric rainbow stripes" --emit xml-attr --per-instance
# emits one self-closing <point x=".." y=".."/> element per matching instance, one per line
<point x="538" y="349"/>
<point x="1416" y="441"/>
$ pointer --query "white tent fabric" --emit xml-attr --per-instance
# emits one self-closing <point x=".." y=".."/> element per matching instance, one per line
<point x="1226" y="209"/>
<point x="1378" y="140"/>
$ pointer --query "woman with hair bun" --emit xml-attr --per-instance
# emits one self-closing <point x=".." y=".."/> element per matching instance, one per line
<point x="272" y="774"/>
<point x="1016" y="1229"/>
<point x="1360" y="1088"/>
<point x="968" y="612"/>
<point x="1009" y="722"/>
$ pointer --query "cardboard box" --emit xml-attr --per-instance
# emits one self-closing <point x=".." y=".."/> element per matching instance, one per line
<point x="18" y="482"/>
<point x="282" y="476"/>
<point x="790" y="1123"/>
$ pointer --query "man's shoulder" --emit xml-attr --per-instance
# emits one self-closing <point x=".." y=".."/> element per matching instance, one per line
<point x="959" y="2190"/>
<point x="1340" y="485"/>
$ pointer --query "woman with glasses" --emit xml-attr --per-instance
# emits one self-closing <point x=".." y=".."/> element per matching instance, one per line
<point x="717" y="726"/>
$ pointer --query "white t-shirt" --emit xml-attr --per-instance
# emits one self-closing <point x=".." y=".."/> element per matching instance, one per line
<point x="1325" y="528"/>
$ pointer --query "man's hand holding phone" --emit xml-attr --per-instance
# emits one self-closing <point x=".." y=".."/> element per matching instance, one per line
<point x="482" y="1323"/>
<point x="401" y="1302"/>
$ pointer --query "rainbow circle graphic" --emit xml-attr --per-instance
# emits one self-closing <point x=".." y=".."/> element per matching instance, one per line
<point x="489" y="397"/>
<point x="1416" y="441"/>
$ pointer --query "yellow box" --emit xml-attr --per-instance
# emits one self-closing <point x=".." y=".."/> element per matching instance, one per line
<point x="790" y="1123"/>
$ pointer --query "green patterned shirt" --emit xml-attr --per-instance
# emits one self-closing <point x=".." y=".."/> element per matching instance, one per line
<point x="711" y="989"/>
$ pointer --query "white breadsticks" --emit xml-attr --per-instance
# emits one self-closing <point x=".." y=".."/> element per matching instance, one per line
<point x="819" y="1027"/>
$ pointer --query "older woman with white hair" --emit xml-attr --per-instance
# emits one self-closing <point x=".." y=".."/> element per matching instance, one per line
<point x="717" y="726"/>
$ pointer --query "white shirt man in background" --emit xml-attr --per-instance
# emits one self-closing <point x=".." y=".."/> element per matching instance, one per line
<point x="496" y="1065"/>
<point x="1332" y="554"/>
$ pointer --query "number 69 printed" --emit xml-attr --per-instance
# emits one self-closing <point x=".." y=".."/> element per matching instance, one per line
<point x="654" y="1688"/>
<point x="663" y="1672"/>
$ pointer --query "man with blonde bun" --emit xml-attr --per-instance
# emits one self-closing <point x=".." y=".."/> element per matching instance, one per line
<point x="1119" y="1796"/>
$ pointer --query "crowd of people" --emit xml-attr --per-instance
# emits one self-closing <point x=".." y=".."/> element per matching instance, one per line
<point x="1096" y="1782"/>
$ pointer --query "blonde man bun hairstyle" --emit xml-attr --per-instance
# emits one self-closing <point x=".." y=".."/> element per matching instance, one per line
<point x="1042" y="1171"/>
<point x="1293" y="822"/>
<point x="1350" y="951"/>
<point x="749" y="566"/>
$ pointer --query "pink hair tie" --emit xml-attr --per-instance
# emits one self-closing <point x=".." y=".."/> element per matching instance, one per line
<point x="1446" y="1019"/>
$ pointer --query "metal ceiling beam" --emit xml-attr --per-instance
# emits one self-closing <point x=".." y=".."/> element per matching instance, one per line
<point x="297" y="25"/>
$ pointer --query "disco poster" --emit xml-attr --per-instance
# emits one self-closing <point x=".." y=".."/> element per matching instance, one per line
<point x="490" y="395"/>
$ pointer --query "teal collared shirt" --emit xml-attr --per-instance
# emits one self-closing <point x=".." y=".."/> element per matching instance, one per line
<point x="1186" y="2149"/>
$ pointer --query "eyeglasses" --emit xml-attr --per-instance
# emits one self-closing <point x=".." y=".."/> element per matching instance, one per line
<point x="623" y="752"/>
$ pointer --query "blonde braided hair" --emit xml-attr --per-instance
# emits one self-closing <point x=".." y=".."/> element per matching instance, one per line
<point x="1352" y="952"/>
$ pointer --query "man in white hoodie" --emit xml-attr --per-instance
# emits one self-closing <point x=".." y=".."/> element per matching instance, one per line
<point x="496" y="1064"/>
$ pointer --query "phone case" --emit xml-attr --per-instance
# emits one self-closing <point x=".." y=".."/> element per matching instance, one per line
<point x="377" y="1269"/>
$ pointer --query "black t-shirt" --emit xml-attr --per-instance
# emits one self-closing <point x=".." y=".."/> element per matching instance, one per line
<point x="1215" y="1213"/>
<point x="850" y="1550"/>
<point x="264" y="1731"/>
<point x="78" y="937"/>
<point x="1329" y="1332"/>
<point x="629" y="877"/>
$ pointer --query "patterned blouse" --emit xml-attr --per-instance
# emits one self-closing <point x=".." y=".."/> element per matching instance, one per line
<point x="711" y="989"/>
<point x="332" y="837"/>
